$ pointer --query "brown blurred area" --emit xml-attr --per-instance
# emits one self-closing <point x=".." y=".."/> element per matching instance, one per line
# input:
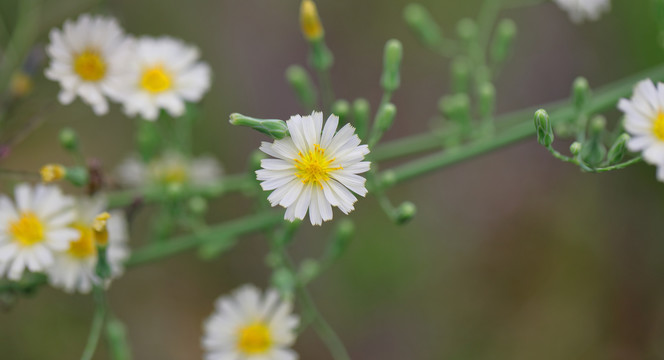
<point x="513" y="255"/>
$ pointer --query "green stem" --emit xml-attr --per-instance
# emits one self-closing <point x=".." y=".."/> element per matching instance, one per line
<point x="97" y="325"/>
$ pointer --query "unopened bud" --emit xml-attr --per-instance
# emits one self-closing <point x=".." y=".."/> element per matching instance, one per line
<point x="580" y="93"/>
<point x="198" y="205"/>
<point x="361" y="114"/>
<point x="385" y="117"/>
<point x="422" y="24"/>
<point x="309" y="270"/>
<point x="487" y="95"/>
<point x="68" y="139"/>
<point x="467" y="29"/>
<point x="405" y="212"/>
<point x="597" y="126"/>
<point x="312" y="28"/>
<point x="277" y="129"/>
<point x="284" y="281"/>
<point x="544" y="130"/>
<point x="341" y="108"/>
<point x="392" y="56"/>
<point x="575" y="148"/>
<point x="77" y="175"/>
<point x="503" y="39"/>
<point x="52" y="172"/>
<point x="460" y="75"/>
<point x="100" y="230"/>
<point x="618" y="149"/>
<point x="301" y="83"/>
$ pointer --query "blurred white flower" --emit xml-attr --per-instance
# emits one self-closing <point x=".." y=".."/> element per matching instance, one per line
<point x="314" y="168"/>
<point x="33" y="229"/>
<point x="170" y="168"/>
<point x="165" y="73"/>
<point x="644" y="121"/>
<point x="248" y="326"/>
<point x="581" y="10"/>
<point x="74" y="269"/>
<point x="89" y="58"/>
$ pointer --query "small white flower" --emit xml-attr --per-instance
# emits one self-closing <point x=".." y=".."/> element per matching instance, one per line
<point x="89" y="58"/>
<point x="34" y="229"/>
<point x="165" y="73"/>
<point x="170" y="168"/>
<point x="644" y="121"/>
<point x="580" y="10"/>
<point x="248" y="326"/>
<point x="314" y="168"/>
<point x="74" y="269"/>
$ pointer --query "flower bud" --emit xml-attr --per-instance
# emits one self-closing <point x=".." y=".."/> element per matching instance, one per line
<point x="68" y="139"/>
<point x="52" y="172"/>
<point x="309" y="270"/>
<point x="487" y="97"/>
<point x="597" y="126"/>
<point x="575" y="148"/>
<point x="77" y="175"/>
<point x="544" y="130"/>
<point x="116" y="334"/>
<point x="361" y="114"/>
<point x="392" y="56"/>
<point x="460" y="75"/>
<point x="284" y="281"/>
<point x="422" y="24"/>
<point x="580" y="93"/>
<point x="20" y="85"/>
<point x="312" y="28"/>
<point x="502" y="41"/>
<point x="618" y="149"/>
<point x="301" y="83"/>
<point x="198" y="205"/>
<point x="405" y="212"/>
<point x="457" y="109"/>
<point x="277" y="129"/>
<point x="341" y="108"/>
<point x="467" y="30"/>
<point x="100" y="230"/>
<point x="385" y="117"/>
<point x="388" y="178"/>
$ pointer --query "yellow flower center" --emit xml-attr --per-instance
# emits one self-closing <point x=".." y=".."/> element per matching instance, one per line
<point x="254" y="339"/>
<point x="156" y="79"/>
<point x="658" y="126"/>
<point x="314" y="167"/>
<point x="84" y="246"/>
<point x="90" y="66"/>
<point x="175" y="175"/>
<point x="27" y="230"/>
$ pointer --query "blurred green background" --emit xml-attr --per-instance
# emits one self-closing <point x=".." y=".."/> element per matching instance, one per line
<point x="513" y="255"/>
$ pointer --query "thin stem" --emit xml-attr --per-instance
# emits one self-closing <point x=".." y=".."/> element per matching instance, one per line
<point x="326" y="89"/>
<point x="97" y="324"/>
<point x="486" y="19"/>
<point x="633" y="161"/>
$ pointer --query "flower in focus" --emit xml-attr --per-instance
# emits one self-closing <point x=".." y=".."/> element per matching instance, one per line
<point x="74" y="269"/>
<point x="164" y="74"/>
<point x="248" y="326"/>
<point x="644" y="121"/>
<point x="34" y="228"/>
<point x="170" y="168"/>
<point x="314" y="168"/>
<point x="580" y="10"/>
<point x="89" y="58"/>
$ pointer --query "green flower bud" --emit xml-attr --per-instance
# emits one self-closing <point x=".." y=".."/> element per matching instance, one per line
<point x="116" y="334"/>
<point x="277" y="129"/>
<point x="575" y="148"/>
<point x="580" y="93"/>
<point x="385" y="117"/>
<point x="198" y="205"/>
<point x="502" y="41"/>
<point x="341" y="108"/>
<point x="597" y="126"/>
<point x="593" y="153"/>
<point x="405" y="212"/>
<point x="460" y="75"/>
<point x="301" y="83"/>
<point x="320" y="57"/>
<point x="77" y="175"/>
<point x="174" y="190"/>
<point x="544" y="130"/>
<point x="388" y="178"/>
<point x="487" y="95"/>
<point x="457" y="109"/>
<point x="422" y="24"/>
<point x="284" y="281"/>
<point x="393" y="54"/>
<point x="467" y="30"/>
<point x="361" y="115"/>
<point x="68" y="139"/>
<point x="482" y="75"/>
<point x="309" y="270"/>
<point x="618" y="149"/>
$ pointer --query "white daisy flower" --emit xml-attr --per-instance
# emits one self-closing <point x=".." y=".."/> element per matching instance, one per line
<point x="644" y="121"/>
<point x="248" y="326"/>
<point x="314" y="168"/>
<point x="89" y="58"/>
<point x="74" y="269"/>
<point x="580" y="10"/>
<point x="33" y="229"/>
<point x="165" y="73"/>
<point x="170" y="168"/>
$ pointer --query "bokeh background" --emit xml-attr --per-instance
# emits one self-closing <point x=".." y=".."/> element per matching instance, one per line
<point x="513" y="255"/>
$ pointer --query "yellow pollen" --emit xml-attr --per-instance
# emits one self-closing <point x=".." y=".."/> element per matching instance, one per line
<point x="314" y="167"/>
<point x="99" y="229"/>
<point x="254" y="339"/>
<point x="90" y="66"/>
<point x="156" y="79"/>
<point x="658" y="126"/>
<point x="52" y="172"/>
<point x="27" y="230"/>
<point x="175" y="175"/>
<point x="84" y="246"/>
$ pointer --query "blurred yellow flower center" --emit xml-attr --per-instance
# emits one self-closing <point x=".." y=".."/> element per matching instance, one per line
<point x="176" y="174"/>
<point x="90" y="66"/>
<point x="254" y="339"/>
<point x="314" y="167"/>
<point x="156" y="79"/>
<point x="27" y="230"/>
<point x="84" y="246"/>
<point x="658" y="126"/>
